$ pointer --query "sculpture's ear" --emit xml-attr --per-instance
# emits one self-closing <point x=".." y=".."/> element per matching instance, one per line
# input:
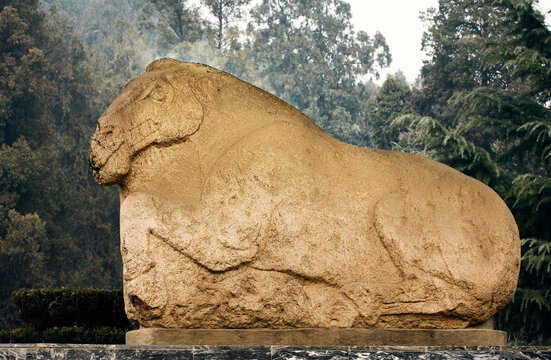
<point x="184" y="113"/>
<point x="162" y="64"/>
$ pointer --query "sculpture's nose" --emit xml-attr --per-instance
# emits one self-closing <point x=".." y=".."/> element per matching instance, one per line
<point x="93" y="161"/>
<point x="102" y="145"/>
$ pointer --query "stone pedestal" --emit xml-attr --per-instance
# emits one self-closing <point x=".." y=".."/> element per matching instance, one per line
<point x="318" y="337"/>
<point x="126" y="352"/>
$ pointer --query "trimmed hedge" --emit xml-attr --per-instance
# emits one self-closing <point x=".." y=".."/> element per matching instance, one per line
<point x="61" y="308"/>
<point x="64" y="335"/>
<point x="78" y="335"/>
<point x="20" y="335"/>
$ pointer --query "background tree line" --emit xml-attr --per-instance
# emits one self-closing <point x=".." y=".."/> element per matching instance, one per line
<point x="480" y="105"/>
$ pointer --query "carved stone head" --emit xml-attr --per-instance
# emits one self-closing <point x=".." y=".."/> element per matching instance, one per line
<point x="157" y="108"/>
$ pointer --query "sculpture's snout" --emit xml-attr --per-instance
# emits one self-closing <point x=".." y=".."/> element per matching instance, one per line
<point x="102" y="145"/>
<point x="109" y="156"/>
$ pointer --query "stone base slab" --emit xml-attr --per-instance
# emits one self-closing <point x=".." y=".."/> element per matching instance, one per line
<point x="318" y="337"/>
<point x="159" y="352"/>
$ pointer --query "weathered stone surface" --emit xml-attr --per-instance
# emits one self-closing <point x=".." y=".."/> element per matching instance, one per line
<point x="123" y="352"/>
<point x="318" y="337"/>
<point x="237" y="211"/>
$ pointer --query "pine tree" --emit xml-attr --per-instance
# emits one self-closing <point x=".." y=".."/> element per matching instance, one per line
<point x="310" y="55"/>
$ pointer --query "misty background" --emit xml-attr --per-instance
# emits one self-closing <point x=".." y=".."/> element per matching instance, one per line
<point x="481" y="104"/>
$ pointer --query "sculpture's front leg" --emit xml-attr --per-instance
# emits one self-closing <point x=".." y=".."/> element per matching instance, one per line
<point x="145" y="290"/>
<point x="215" y="238"/>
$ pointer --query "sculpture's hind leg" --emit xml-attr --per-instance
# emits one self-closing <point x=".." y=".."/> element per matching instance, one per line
<point x="449" y="248"/>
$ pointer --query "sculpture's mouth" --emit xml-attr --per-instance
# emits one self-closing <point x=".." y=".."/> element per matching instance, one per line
<point x="104" y="177"/>
<point x="109" y="166"/>
<point x="96" y="174"/>
<point x="96" y="168"/>
<point x="96" y="161"/>
<point x="93" y="163"/>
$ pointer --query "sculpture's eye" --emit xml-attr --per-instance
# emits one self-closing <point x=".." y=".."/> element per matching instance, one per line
<point x="108" y="138"/>
<point x="157" y="94"/>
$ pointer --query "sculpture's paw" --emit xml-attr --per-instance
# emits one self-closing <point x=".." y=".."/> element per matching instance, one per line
<point x="146" y="295"/>
<point x="134" y="267"/>
<point x="173" y="235"/>
<point x="366" y="302"/>
<point x="218" y="247"/>
<point x="211" y="253"/>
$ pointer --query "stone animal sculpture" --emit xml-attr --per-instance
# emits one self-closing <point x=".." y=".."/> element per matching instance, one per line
<point x="237" y="211"/>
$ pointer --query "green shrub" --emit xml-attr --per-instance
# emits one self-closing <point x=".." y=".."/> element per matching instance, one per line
<point x="20" y="335"/>
<point x="64" y="335"/>
<point x="79" y="335"/>
<point x="87" y="308"/>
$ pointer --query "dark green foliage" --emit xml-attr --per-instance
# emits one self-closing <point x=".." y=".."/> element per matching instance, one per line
<point x="24" y="86"/>
<point x="87" y="308"/>
<point x="170" y="22"/>
<point x="515" y="128"/>
<point x="223" y="30"/>
<point x="64" y="335"/>
<point x="524" y="49"/>
<point x="531" y="202"/>
<point x="96" y="20"/>
<point x="454" y="41"/>
<point x="88" y="316"/>
<point x="392" y="99"/>
<point x="78" y="335"/>
<point x="51" y="229"/>
<point x="531" y="305"/>
<point x="20" y="335"/>
<point x="309" y="54"/>
<point x="531" y="198"/>
<point x="428" y="137"/>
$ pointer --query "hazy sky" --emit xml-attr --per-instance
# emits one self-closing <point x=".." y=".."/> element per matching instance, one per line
<point x="398" y="21"/>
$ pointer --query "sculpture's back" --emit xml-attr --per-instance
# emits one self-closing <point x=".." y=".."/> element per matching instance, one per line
<point x="238" y="212"/>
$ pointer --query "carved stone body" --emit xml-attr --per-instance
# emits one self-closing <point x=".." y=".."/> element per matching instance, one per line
<point x="237" y="211"/>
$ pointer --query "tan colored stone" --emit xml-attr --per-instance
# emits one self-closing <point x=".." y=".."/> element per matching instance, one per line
<point x="318" y="337"/>
<point x="237" y="211"/>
